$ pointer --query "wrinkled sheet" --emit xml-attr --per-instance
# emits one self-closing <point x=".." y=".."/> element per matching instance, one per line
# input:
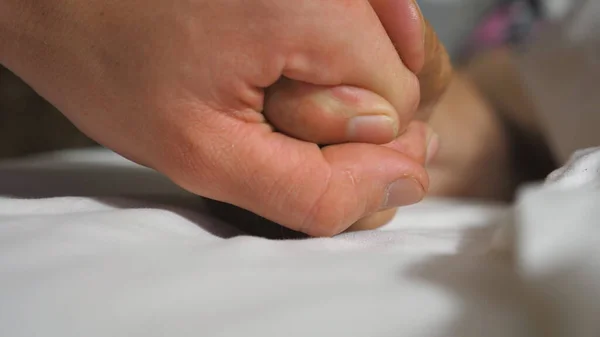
<point x="87" y="249"/>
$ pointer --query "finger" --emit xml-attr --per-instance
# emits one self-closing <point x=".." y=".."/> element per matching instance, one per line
<point x="418" y="46"/>
<point x="374" y="221"/>
<point x="436" y="74"/>
<point x="353" y="50"/>
<point x="419" y="142"/>
<point x="330" y="115"/>
<point x="404" y="23"/>
<point x="317" y="191"/>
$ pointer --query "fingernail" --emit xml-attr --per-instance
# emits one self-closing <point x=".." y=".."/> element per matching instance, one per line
<point x="370" y="115"/>
<point x="403" y="192"/>
<point x="370" y="128"/>
<point x="433" y="145"/>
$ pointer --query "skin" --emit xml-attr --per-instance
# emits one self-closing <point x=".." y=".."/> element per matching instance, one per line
<point x="493" y="141"/>
<point x="208" y="93"/>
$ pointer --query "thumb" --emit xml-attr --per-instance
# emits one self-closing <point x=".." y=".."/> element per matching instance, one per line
<point x="320" y="192"/>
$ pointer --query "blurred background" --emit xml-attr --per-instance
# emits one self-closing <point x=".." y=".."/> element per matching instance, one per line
<point x="498" y="121"/>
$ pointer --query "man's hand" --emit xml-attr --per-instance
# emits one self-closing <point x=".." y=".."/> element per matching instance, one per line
<point x="180" y="86"/>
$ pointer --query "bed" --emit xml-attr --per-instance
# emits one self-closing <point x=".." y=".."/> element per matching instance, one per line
<point x="94" y="245"/>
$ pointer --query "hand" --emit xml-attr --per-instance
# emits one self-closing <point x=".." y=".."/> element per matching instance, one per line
<point x="179" y="86"/>
<point x="435" y="77"/>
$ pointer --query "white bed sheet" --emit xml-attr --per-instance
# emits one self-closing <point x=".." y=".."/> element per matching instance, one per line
<point x="82" y="254"/>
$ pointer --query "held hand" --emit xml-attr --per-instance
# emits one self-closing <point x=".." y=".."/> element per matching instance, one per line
<point x="179" y="86"/>
<point x="318" y="114"/>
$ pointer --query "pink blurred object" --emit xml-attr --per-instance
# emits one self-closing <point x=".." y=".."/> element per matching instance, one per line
<point x="494" y="28"/>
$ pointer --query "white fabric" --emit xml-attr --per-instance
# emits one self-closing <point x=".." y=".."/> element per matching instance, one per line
<point x="83" y="265"/>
